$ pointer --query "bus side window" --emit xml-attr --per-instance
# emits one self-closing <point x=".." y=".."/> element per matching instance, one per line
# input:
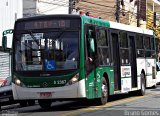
<point x="139" y="45"/>
<point x="147" y="44"/>
<point x="102" y="46"/>
<point x="124" y="48"/>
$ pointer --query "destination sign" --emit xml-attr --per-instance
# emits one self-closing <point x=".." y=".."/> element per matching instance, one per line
<point x="31" y="24"/>
<point x="47" y="24"/>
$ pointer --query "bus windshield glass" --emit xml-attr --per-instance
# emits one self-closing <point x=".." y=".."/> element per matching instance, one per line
<point x="47" y="50"/>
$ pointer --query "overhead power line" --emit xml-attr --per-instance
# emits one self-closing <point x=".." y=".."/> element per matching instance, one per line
<point x="65" y="4"/>
<point x="90" y="9"/>
<point x="97" y="4"/>
<point x="117" y="13"/>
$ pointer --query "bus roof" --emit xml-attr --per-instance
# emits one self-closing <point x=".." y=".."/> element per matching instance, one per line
<point x="116" y="25"/>
<point x="95" y="21"/>
<point x="130" y="28"/>
<point x="48" y="17"/>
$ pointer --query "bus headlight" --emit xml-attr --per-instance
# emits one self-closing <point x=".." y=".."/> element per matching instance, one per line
<point x="73" y="80"/>
<point x="18" y="82"/>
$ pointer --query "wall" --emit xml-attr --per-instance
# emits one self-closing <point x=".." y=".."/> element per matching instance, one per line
<point x="10" y="10"/>
<point x="29" y="8"/>
<point x="5" y="65"/>
<point x="99" y="8"/>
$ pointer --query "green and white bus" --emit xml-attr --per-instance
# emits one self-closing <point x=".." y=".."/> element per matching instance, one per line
<point x="69" y="57"/>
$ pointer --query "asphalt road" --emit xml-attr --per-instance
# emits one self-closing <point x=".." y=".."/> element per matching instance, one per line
<point x="118" y="105"/>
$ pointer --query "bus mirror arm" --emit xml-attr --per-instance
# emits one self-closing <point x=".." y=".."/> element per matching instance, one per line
<point x="4" y="43"/>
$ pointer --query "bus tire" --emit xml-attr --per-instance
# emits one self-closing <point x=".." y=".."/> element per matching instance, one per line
<point x="104" y="98"/>
<point x="141" y="92"/>
<point x="45" y="103"/>
<point x="23" y="103"/>
<point x="31" y="102"/>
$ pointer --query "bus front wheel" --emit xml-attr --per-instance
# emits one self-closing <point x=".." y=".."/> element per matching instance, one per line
<point x="45" y="103"/>
<point x="104" y="98"/>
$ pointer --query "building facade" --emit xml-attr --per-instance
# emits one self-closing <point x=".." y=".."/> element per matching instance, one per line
<point x="98" y="8"/>
<point x="10" y="10"/>
<point x="131" y="12"/>
<point x="153" y="16"/>
<point x="41" y="7"/>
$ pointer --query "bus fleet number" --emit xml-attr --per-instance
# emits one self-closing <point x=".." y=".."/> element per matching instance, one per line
<point x="60" y="82"/>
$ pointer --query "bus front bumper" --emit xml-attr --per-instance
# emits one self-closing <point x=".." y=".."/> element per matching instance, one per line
<point x="76" y="90"/>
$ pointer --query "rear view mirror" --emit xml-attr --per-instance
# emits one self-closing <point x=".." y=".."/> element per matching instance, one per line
<point x="7" y="34"/>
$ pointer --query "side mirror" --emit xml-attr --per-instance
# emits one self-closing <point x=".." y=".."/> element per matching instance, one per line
<point x="92" y="47"/>
<point x="4" y="42"/>
<point x="7" y="34"/>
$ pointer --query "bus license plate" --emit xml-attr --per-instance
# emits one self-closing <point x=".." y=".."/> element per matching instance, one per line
<point x="45" y="94"/>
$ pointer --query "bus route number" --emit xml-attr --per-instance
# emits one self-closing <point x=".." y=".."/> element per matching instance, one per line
<point x="60" y="82"/>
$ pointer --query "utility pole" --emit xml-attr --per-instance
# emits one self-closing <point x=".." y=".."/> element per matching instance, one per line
<point x="154" y="19"/>
<point x="70" y="6"/>
<point x="117" y="13"/>
<point x="138" y="13"/>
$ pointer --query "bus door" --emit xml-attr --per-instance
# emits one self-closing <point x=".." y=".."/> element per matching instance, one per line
<point x="90" y="67"/>
<point x="132" y="52"/>
<point x="114" y="38"/>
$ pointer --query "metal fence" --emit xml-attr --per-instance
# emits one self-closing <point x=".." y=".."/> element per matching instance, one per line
<point x="5" y="65"/>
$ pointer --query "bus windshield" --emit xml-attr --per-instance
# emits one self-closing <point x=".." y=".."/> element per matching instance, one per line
<point x="46" y="50"/>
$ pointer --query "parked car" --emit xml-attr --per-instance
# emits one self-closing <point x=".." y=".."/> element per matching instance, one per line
<point x="6" y="96"/>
